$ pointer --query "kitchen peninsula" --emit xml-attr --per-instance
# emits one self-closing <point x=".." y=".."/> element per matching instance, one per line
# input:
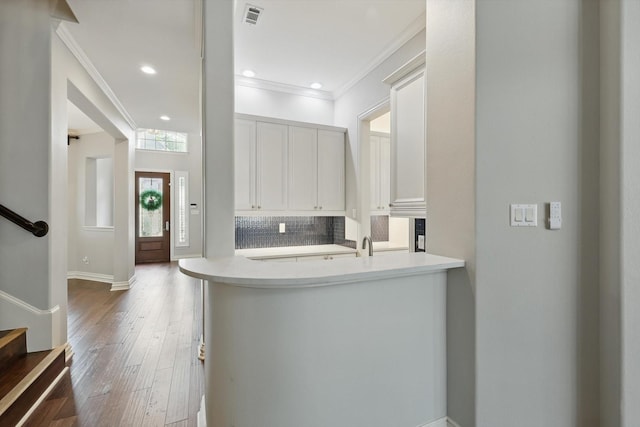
<point x="353" y="341"/>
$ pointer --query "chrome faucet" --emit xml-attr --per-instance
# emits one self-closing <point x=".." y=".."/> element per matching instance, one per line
<point x="364" y="244"/>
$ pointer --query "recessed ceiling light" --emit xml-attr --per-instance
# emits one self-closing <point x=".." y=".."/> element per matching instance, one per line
<point x="316" y="85"/>
<point x="248" y="73"/>
<point x="165" y="118"/>
<point x="147" y="69"/>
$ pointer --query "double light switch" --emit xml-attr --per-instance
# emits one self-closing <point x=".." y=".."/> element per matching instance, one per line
<point x="524" y="215"/>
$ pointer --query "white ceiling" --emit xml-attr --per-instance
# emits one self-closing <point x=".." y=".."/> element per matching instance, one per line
<point x="295" y="42"/>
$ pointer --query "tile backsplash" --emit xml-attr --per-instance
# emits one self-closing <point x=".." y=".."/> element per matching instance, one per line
<point x="263" y="232"/>
<point x="380" y="228"/>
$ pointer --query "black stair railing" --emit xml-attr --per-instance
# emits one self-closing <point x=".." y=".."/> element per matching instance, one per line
<point x="38" y="228"/>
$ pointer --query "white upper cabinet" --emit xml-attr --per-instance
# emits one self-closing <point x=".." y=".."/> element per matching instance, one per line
<point x="316" y="170"/>
<point x="408" y="140"/>
<point x="380" y="183"/>
<point x="272" y="166"/>
<point x="282" y="168"/>
<point x="303" y="168"/>
<point x="245" y="164"/>
<point x="260" y="166"/>
<point x="331" y="181"/>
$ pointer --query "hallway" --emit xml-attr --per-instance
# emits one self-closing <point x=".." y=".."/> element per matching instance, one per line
<point x="135" y="351"/>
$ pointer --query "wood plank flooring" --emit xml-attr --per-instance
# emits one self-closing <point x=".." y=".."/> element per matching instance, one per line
<point x="135" y="354"/>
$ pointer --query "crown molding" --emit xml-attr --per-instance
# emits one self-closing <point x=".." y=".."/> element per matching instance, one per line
<point x="282" y="87"/>
<point x="414" y="28"/>
<point x="93" y="72"/>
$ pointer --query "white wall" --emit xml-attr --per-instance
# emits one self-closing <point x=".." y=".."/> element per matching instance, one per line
<point x="363" y="96"/>
<point x="620" y="204"/>
<point x="192" y="163"/>
<point x="72" y="82"/>
<point x="531" y="137"/>
<point x="630" y="211"/>
<point x="94" y="243"/>
<point x="451" y="203"/>
<point x="28" y="265"/>
<point x="287" y="106"/>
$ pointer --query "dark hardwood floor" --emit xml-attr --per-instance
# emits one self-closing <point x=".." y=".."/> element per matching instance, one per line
<point x="135" y="354"/>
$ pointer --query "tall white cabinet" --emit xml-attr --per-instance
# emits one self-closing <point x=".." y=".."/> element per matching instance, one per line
<point x="288" y="168"/>
<point x="316" y="169"/>
<point x="408" y="140"/>
<point x="260" y="166"/>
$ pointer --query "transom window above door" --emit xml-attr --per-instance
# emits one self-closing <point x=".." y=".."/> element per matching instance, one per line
<point x="161" y="140"/>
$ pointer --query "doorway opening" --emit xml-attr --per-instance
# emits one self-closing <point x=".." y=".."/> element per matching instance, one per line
<point x="375" y="175"/>
<point x="153" y="217"/>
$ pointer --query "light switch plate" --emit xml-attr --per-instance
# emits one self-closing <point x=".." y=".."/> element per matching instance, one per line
<point x="555" y="215"/>
<point x="524" y="215"/>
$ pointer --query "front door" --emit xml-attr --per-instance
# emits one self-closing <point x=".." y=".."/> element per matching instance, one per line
<point x="153" y="239"/>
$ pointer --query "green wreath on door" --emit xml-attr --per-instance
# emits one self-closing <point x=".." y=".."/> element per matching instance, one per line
<point x="151" y="200"/>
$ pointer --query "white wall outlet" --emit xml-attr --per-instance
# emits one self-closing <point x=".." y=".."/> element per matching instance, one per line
<point x="555" y="216"/>
<point x="282" y="227"/>
<point x="524" y="215"/>
<point x="85" y="260"/>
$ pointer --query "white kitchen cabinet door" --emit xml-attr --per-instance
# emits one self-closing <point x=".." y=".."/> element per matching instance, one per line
<point x="374" y="173"/>
<point x="303" y="168"/>
<point x="331" y="182"/>
<point x="271" y="166"/>
<point x="408" y="146"/>
<point x="380" y="170"/>
<point x="245" y="164"/>
<point x="385" y="172"/>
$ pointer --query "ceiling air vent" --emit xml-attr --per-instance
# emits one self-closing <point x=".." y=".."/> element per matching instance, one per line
<point x="251" y="14"/>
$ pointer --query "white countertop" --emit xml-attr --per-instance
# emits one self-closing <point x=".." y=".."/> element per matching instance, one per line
<point x="300" y="251"/>
<point x="240" y="271"/>
<point x="293" y="251"/>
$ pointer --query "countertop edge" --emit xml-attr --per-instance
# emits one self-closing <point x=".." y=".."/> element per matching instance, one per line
<point x="243" y="272"/>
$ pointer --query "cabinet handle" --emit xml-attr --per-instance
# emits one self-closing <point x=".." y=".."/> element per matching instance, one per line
<point x="320" y="207"/>
<point x="390" y="205"/>
<point x="253" y="206"/>
<point x="315" y="207"/>
<point x="259" y="207"/>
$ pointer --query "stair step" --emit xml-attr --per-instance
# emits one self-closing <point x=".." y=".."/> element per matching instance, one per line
<point x="13" y="344"/>
<point x="29" y="377"/>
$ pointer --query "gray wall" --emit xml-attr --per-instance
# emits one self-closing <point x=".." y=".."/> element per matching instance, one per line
<point x="451" y="185"/>
<point x="363" y="96"/>
<point x="620" y="204"/>
<point x="192" y="163"/>
<point x="531" y="137"/>
<point x="25" y="86"/>
<point x="630" y="153"/>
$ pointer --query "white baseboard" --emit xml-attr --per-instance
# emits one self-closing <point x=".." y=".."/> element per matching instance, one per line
<point x="103" y="278"/>
<point x="202" y="414"/>
<point x="42" y="324"/>
<point x="442" y="422"/>
<point x="451" y="423"/>
<point x="93" y="277"/>
<point x="124" y="286"/>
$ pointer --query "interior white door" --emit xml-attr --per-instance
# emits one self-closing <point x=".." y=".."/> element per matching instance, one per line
<point x="303" y="168"/>
<point x="331" y="170"/>
<point x="271" y="166"/>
